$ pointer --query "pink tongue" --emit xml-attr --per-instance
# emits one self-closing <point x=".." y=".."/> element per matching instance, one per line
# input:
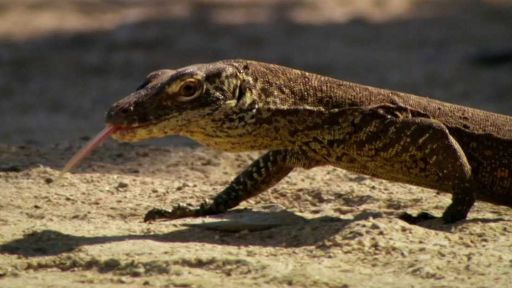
<point x="89" y="147"/>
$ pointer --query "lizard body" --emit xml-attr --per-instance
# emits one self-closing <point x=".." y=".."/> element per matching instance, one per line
<point x="307" y="120"/>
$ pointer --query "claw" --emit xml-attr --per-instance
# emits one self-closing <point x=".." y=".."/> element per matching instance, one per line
<point x="177" y="212"/>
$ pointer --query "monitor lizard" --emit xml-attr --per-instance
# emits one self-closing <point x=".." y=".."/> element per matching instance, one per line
<point x="307" y="120"/>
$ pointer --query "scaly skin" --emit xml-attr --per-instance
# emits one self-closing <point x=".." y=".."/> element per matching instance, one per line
<point x="306" y="120"/>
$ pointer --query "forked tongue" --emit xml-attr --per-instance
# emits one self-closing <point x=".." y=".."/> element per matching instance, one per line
<point x="88" y="148"/>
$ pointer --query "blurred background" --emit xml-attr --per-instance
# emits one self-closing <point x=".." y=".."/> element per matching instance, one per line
<point x="63" y="62"/>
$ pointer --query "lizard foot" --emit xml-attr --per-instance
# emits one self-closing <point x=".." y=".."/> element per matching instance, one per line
<point x="411" y="219"/>
<point x="177" y="212"/>
<point x="454" y="213"/>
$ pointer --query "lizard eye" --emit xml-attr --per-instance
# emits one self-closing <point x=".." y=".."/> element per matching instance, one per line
<point x="189" y="90"/>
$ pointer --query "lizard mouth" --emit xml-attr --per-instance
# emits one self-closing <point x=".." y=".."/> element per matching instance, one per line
<point x="138" y="132"/>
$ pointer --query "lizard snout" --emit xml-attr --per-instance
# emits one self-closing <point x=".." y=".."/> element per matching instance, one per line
<point x="118" y="114"/>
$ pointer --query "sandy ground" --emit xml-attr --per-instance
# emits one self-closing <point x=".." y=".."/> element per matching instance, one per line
<point x="64" y="62"/>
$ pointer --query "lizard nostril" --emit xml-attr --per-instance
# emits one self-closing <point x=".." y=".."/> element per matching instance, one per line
<point x="125" y="110"/>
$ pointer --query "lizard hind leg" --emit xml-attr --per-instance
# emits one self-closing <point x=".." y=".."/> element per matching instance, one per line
<point x="401" y="144"/>
<point x="453" y="170"/>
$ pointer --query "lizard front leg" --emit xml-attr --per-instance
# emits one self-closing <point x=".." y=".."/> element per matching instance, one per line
<point x="262" y="174"/>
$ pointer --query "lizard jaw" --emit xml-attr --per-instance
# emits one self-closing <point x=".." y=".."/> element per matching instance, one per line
<point x="183" y="124"/>
<point x="130" y="134"/>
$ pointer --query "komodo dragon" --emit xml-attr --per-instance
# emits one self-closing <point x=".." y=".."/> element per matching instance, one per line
<point x="306" y="120"/>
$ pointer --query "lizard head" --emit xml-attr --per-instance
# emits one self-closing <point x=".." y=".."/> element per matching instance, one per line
<point x="175" y="102"/>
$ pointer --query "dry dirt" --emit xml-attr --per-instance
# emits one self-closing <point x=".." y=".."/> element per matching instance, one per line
<point x="64" y="62"/>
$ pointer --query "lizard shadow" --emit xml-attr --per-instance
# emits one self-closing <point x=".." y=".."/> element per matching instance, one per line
<point x="438" y="225"/>
<point x="297" y="233"/>
<point x="291" y="231"/>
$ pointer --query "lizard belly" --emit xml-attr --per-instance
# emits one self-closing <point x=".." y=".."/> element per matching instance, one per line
<point x="409" y="171"/>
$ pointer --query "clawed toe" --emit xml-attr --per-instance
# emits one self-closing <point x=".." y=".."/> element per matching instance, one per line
<point x="177" y="212"/>
<point x="411" y="219"/>
<point x="156" y="213"/>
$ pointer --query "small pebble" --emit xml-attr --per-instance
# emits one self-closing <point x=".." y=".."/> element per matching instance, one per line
<point x="48" y="180"/>
<point x="122" y="185"/>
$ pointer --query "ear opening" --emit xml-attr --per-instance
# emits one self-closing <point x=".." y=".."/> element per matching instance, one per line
<point x="246" y="96"/>
<point x="240" y="92"/>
